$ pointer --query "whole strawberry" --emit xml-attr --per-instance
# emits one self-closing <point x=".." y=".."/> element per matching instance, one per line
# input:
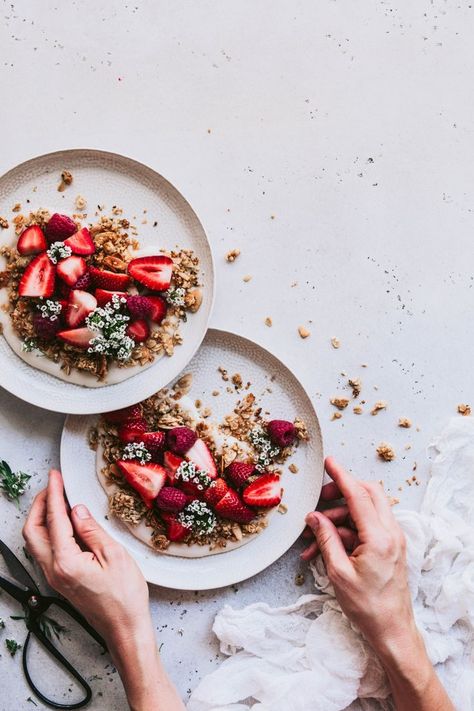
<point x="180" y="439"/>
<point x="238" y="473"/>
<point x="59" y="228"/>
<point x="154" y="442"/>
<point x="171" y="499"/>
<point x="233" y="508"/>
<point x="281" y="432"/>
<point x="45" y="327"/>
<point x="139" y="306"/>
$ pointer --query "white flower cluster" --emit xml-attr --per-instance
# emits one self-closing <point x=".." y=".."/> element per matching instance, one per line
<point x="29" y="345"/>
<point x="57" y="251"/>
<point x="198" y="516"/>
<point x="111" y="325"/>
<point x="50" y="309"/>
<point x="175" y="297"/>
<point x="136" y="450"/>
<point x="266" y="450"/>
<point x="187" y="472"/>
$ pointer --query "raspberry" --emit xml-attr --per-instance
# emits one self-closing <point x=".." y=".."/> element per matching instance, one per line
<point x="83" y="282"/>
<point x="238" y="473"/>
<point x="171" y="499"/>
<point x="46" y="328"/>
<point x="139" y="306"/>
<point x="154" y="442"/>
<point x="281" y="432"/>
<point x="59" y="227"/>
<point x="180" y="439"/>
<point x="217" y="489"/>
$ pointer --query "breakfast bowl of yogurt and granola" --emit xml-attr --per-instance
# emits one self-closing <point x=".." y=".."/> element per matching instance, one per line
<point x="93" y="298"/>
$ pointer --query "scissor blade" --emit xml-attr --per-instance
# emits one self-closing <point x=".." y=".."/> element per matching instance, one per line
<point x="19" y="593"/>
<point x="17" y="569"/>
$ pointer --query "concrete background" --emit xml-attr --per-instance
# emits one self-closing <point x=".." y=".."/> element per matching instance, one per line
<point x="331" y="142"/>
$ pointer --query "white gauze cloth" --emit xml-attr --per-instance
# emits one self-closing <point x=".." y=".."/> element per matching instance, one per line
<point x="308" y="657"/>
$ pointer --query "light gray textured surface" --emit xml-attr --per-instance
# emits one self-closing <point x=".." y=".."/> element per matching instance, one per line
<point x="331" y="142"/>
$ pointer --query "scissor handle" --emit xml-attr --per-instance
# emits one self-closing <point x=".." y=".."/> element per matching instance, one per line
<point x="76" y="615"/>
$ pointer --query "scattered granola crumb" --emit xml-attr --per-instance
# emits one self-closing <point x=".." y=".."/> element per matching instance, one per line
<point x="247" y="278"/>
<point x="393" y="501"/>
<point x="336" y="416"/>
<point x="3" y="223"/>
<point x="66" y="179"/>
<point x="16" y="207"/>
<point x="80" y="203"/>
<point x="299" y="579"/>
<point x="379" y="405"/>
<point x="206" y="412"/>
<point x="293" y="469"/>
<point x="407" y="447"/>
<point x="363" y="365"/>
<point x="282" y="509"/>
<point x="358" y="410"/>
<point x="303" y="331"/>
<point x="464" y="410"/>
<point x="340" y="402"/>
<point x="356" y="385"/>
<point x="215" y="393"/>
<point x="198" y="404"/>
<point x="237" y="380"/>
<point x="386" y="452"/>
<point x="268" y="322"/>
<point x="404" y="422"/>
<point x="335" y="342"/>
<point x="232" y="255"/>
<point x="224" y="373"/>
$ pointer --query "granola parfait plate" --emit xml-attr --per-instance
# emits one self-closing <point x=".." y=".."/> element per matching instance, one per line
<point x="279" y="394"/>
<point x="157" y="219"/>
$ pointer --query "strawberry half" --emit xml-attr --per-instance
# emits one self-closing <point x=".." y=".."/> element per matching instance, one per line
<point x="32" y="241"/>
<point x="158" y="308"/>
<point x="80" y="305"/>
<point x="175" y="530"/>
<point x="154" y="272"/>
<point x="79" y="337"/>
<point x="59" y="228"/>
<point x="71" y="269"/>
<point x="103" y="279"/>
<point x="215" y="492"/>
<point x="139" y="330"/>
<point x="81" y="242"/>
<point x="265" y="491"/>
<point x="172" y="462"/>
<point x="103" y="296"/>
<point x="146" y="479"/>
<point x="232" y="508"/>
<point x="125" y="414"/>
<point x="38" y="278"/>
<point x="202" y="458"/>
<point x="132" y="431"/>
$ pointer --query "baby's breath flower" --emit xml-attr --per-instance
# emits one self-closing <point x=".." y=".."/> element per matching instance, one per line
<point x="111" y="327"/>
<point x="29" y="344"/>
<point x="136" y="450"/>
<point x="57" y="251"/>
<point x="49" y="309"/>
<point x="199" y="517"/>
<point x="188" y="472"/>
<point x="175" y="297"/>
<point x="266" y="450"/>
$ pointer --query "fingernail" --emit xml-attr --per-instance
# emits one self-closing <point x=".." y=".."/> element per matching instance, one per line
<point x="312" y="520"/>
<point x="81" y="511"/>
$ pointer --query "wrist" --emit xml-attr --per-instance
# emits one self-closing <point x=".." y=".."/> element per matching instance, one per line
<point x="403" y="655"/>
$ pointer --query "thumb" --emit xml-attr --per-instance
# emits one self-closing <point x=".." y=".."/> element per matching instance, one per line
<point x="329" y="542"/>
<point x="89" y="531"/>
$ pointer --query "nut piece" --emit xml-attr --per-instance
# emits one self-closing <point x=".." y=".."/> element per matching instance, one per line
<point x="299" y="579"/>
<point x="3" y="223"/>
<point x="268" y="322"/>
<point x="232" y="255"/>
<point x="293" y="469"/>
<point x="379" y="405"/>
<point x="16" y="207"/>
<point x="247" y="278"/>
<point x="464" y="410"/>
<point x="115" y="264"/>
<point x="303" y="331"/>
<point x="356" y="385"/>
<point x="336" y="416"/>
<point x="193" y="300"/>
<point x="80" y="203"/>
<point x="340" y="402"/>
<point x="66" y="179"/>
<point x="404" y="422"/>
<point x="335" y="342"/>
<point x="386" y="452"/>
<point x="357" y="409"/>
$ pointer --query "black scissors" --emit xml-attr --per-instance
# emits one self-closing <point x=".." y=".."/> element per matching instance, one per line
<point x="35" y="604"/>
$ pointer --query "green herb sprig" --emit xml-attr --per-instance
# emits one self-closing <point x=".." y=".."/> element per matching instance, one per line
<point x="13" y="484"/>
<point x="12" y="646"/>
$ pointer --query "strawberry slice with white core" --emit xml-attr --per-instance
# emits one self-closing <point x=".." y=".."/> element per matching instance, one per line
<point x="139" y="330"/>
<point x="172" y="463"/>
<point x="201" y="456"/>
<point x="104" y="297"/>
<point x="146" y="479"/>
<point x="158" y="308"/>
<point x="80" y="305"/>
<point x="81" y="242"/>
<point x="79" y="337"/>
<point x="265" y="491"/>
<point x="38" y="278"/>
<point x="112" y="281"/>
<point x="154" y="272"/>
<point x="71" y="269"/>
<point x="32" y="241"/>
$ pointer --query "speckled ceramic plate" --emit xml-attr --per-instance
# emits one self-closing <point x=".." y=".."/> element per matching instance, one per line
<point x="107" y="179"/>
<point x="279" y="392"/>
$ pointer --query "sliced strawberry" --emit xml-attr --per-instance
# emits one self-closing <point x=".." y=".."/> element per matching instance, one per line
<point x="158" y="310"/>
<point x="265" y="491"/>
<point x="233" y="508"/>
<point x="38" y="278"/>
<point x="59" y="227"/>
<point x="147" y="479"/>
<point x="154" y="272"/>
<point x="175" y="530"/>
<point x="81" y="242"/>
<point x="125" y="414"/>
<point x="79" y="337"/>
<point x="80" y="305"/>
<point x="202" y="458"/>
<point x="132" y="431"/>
<point x="103" y="279"/>
<point x="216" y="491"/>
<point x="32" y="241"/>
<point x="71" y="269"/>
<point x="172" y="462"/>
<point x="103" y="297"/>
<point x="139" y="330"/>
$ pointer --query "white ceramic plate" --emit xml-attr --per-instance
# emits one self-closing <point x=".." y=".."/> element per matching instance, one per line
<point x="107" y="179"/>
<point x="287" y="399"/>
